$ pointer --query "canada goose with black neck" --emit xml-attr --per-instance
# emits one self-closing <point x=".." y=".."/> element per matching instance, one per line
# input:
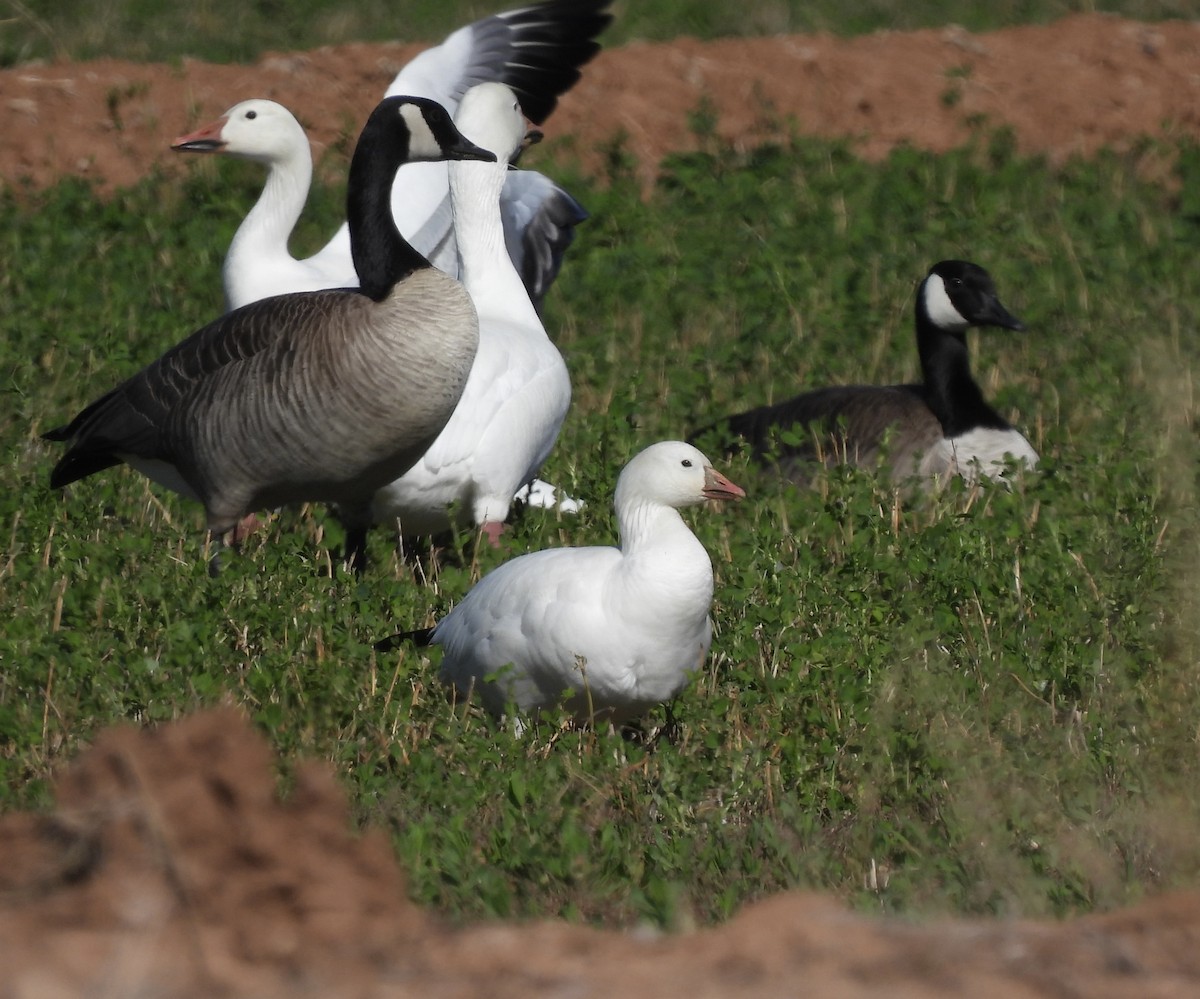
<point x="313" y="397"/>
<point x="939" y="427"/>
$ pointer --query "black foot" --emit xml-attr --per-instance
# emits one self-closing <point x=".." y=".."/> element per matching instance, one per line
<point x="356" y="549"/>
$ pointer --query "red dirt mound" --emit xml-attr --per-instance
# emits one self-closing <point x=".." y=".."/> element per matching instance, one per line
<point x="171" y="868"/>
<point x="1071" y="87"/>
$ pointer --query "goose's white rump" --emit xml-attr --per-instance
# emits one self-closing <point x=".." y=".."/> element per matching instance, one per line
<point x="609" y="631"/>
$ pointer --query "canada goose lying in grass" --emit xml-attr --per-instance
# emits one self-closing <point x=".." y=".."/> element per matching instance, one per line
<point x="536" y="50"/>
<point x="518" y="392"/>
<point x="318" y="396"/>
<point x="610" y="632"/>
<point x="940" y="427"/>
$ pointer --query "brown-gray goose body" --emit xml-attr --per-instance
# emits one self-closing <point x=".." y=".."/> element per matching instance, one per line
<point x="317" y="396"/>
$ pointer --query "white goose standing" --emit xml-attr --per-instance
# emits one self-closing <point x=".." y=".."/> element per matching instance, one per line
<point x="610" y="632"/>
<point x="536" y="50"/>
<point x="320" y="396"/>
<point x="518" y="392"/>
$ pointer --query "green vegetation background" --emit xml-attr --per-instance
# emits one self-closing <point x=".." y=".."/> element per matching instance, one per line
<point x="240" y="30"/>
<point x="983" y="702"/>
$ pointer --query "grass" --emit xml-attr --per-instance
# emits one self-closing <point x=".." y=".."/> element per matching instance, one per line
<point x="981" y="702"/>
<point x="224" y="31"/>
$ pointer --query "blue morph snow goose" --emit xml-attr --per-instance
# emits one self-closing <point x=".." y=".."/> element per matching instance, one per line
<point x="610" y="632"/>
<point x="940" y="427"/>
<point x="536" y="50"/>
<point x="316" y="396"/>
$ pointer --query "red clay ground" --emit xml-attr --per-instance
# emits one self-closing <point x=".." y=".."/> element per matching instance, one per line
<point x="171" y="868"/>
<point x="1070" y="88"/>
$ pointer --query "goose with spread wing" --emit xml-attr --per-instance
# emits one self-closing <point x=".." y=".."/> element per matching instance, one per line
<point x="535" y="50"/>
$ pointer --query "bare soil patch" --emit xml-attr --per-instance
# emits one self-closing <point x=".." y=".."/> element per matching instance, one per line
<point x="171" y="867"/>
<point x="1070" y="88"/>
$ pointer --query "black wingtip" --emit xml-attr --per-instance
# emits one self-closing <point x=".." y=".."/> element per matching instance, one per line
<point x="545" y="242"/>
<point x="419" y="637"/>
<point x="554" y="40"/>
<point x="76" y="465"/>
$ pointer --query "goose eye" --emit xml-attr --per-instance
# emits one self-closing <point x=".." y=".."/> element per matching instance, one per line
<point x="687" y="462"/>
<point x="251" y="115"/>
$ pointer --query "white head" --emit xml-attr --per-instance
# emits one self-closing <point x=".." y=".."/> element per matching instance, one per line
<point x="673" y="474"/>
<point x="258" y="130"/>
<point x="490" y="116"/>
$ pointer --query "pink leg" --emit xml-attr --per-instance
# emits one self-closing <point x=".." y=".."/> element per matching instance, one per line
<point x="244" y="528"/>
<point x="492" y="529"/>
<point x="236" y="535"/>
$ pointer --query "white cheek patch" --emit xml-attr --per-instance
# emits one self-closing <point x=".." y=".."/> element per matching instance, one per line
<point x="421" y="143"/>
<point x="941" y="310"/>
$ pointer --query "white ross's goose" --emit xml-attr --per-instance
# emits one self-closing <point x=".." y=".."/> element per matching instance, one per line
<point x="518" y="392"/>
<point x="317" y="396"/>
<point x="536" y="50"/>
<point x="610" y="632"/>
<point x="940" y="427"/>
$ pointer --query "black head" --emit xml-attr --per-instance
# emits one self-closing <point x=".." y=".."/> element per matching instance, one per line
<point x="957" y="294"/>
<point x="428" y="129"/>
<point x="400" y="130"/>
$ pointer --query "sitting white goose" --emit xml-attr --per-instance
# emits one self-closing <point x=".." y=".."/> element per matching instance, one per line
<point x="536" y="50"/>
<point x="320" y="396"/>
<point x="610" y="632"/>
<point x="518" y="392"/>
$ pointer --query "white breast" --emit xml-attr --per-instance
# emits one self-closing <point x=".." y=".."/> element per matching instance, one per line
<point x="986" y="451"/>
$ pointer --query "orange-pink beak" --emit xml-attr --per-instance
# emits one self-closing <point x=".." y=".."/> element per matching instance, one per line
<point x="203" y="140"/>
<point x="717" y="487"/>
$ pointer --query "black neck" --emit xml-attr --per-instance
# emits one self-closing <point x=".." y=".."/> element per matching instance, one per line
<point x="382" y="257"/>
<point x="950" y="390"/>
